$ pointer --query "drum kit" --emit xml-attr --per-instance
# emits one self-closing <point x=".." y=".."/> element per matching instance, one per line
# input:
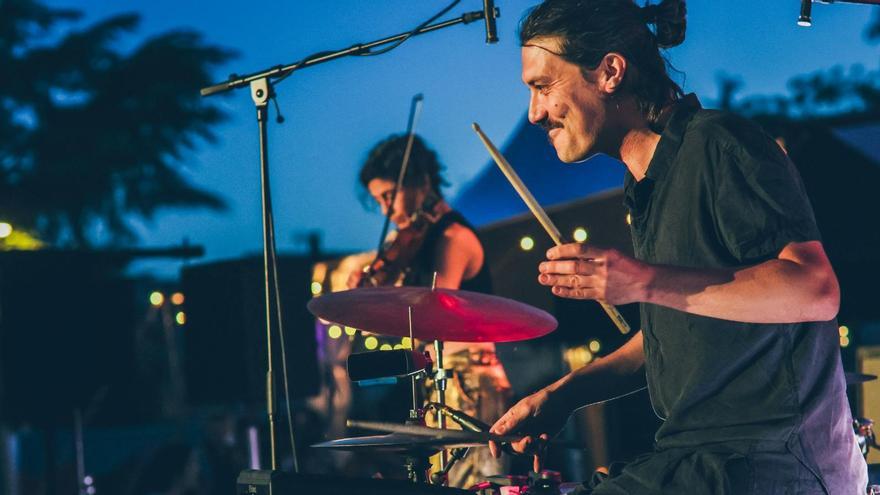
<point x="433" y="315"/>
<point x="436" y="315"/>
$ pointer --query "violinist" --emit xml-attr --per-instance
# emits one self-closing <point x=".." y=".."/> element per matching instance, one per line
<point x="441" y="241"/>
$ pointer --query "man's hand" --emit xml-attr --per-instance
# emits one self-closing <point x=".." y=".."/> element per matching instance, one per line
<point x="538" y="417"/>
<point x="580" y="271"/>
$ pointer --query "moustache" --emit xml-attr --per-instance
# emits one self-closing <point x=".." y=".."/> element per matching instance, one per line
<point x="548" y="125"/>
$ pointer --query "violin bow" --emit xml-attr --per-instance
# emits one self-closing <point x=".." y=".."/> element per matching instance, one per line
<point x="415" y="110"/>
<point x="541" y="215"/>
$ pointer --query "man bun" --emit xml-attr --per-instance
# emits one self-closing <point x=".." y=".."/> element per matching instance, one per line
<point x="670" y="20"/>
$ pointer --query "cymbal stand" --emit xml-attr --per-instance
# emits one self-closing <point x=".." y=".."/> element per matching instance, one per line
<point x="441" y="374"/>
<point x="414" y="413"/>
<point x="417" y="467"/>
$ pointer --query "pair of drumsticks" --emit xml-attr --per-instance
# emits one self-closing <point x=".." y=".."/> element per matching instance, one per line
<point x="541" y="215"/>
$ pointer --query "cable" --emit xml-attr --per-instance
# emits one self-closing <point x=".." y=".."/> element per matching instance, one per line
<point x="369" y="53"/>
<point x="411" y="33"/>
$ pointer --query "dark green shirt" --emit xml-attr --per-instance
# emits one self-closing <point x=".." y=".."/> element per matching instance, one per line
<point x="719" y="192"/>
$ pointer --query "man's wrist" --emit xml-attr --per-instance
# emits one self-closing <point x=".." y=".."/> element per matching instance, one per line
<point x="557" y="391"/>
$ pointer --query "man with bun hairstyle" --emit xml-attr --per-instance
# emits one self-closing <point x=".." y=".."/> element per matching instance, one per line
<point x="738" y="344"/>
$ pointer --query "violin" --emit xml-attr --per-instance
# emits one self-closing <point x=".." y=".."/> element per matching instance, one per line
<point x="393" y="261"/>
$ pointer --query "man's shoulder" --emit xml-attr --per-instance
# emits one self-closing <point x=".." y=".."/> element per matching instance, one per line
<point x="725" y="129"/>
<point x="724" y="134"/>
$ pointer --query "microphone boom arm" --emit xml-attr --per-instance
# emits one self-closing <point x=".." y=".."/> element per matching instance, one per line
<point x="280" y="71"/>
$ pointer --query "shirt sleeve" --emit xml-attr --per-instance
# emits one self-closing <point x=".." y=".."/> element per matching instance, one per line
<point x="760" y="201"/>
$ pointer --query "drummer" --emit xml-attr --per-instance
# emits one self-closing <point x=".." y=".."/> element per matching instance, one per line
<point x="452" y="250"/>
<point x="738" y="344"/>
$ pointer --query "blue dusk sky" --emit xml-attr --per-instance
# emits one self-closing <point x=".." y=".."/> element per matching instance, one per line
<point x="336" y="111"/>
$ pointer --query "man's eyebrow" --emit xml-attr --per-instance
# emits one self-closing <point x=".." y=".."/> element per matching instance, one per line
<point x="535" y="81"/>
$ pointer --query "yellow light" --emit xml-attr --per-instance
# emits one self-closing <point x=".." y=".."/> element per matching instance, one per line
<point x="371" y="343"/>
<point x="180" y="318"/>
<point x="589" y="357"/>
<point x="844" y="342"/>
<point x="156" y="298"/>
<point x="316" y="288"/>
<point x="629" y="219"/>
<point x="580" y="234"/>
<point x="406" y="343"/>
<point x="578" y="357"/>
<point x="595" y="345"/>
<point x="843" y="331"/>
<point x="177" y="298"/>
<point x="385" y="347"/>
<point x="350" y="331"/>
<point x="5" y="230"/>
<point x="526" y="243"/>
<point x="334" y="331"/>
<point x="398" y="347"/>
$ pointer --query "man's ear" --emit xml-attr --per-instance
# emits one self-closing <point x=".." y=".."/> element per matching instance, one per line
<point x="611" y="72"/>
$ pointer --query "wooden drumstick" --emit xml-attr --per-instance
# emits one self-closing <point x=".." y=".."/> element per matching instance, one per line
<point x="541" y="215"/>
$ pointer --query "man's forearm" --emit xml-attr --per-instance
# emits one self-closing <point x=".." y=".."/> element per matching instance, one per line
<point x="618" y="374"/>
<point x="793" y="288"/>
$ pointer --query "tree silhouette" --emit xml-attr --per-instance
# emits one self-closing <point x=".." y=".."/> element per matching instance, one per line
<point x="91" y="137"/>
<point x="832" y="92"/>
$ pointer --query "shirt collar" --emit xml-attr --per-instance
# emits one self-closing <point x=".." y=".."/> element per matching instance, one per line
<point x="681" y="114"/>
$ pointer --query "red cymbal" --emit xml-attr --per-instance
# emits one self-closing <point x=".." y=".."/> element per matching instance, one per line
<point x="441" y="314"/>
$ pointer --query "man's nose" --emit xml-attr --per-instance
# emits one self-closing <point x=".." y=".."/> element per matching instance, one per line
<point x="537" y="112"/>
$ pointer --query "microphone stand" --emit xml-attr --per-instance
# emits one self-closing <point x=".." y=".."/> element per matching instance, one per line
<point x="262" y="90"/>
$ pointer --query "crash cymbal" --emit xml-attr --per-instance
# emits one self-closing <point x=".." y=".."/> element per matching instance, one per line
<point x="438" y="314"/>
<point x="401" y="443"/>
<point x="853" y="378"/>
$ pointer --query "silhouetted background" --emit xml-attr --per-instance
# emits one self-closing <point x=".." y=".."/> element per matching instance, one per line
<point x="131" y="322"/>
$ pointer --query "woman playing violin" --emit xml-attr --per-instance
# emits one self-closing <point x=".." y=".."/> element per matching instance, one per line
<point x="441" y="241"/>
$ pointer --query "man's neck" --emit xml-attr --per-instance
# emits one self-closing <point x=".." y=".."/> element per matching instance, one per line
<point x="637" y="148"/>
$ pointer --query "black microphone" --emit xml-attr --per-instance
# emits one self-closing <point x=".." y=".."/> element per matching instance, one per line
<point x="805" y="19"/>
<point x="490" y="14"/>
<point x="376" y="365"/>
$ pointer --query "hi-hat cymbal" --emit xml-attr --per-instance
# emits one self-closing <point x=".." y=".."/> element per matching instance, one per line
<point x="438" y="314"/>
<point x="400" y="443"/>
<point x="465" y="438"/>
